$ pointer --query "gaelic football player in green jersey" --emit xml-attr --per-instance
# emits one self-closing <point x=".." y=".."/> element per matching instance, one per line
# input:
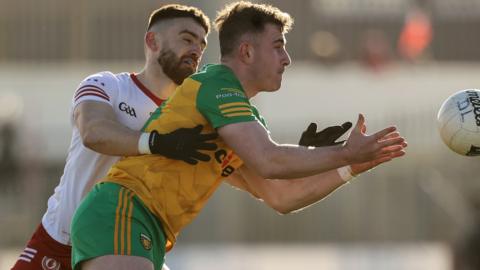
<point x="157" y="197"/>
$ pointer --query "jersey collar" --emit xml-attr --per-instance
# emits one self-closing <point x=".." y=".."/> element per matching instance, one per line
<point x="145" y="90"/>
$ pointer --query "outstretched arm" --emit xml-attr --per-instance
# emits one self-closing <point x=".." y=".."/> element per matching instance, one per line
<point x="296" y="194"/>
<point x="252" y="143"/>
<point x="287" y="196"/>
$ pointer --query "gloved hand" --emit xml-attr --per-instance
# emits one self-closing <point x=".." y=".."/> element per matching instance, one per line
<point x="183" y="144"/>
<point x="326" y="137"/>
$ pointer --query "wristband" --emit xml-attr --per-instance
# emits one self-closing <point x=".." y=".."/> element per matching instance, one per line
<point x="345" y="173"/>
<point x="143" y="145"/>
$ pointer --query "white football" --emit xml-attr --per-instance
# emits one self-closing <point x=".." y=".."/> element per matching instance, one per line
<point x="459" y="122"/>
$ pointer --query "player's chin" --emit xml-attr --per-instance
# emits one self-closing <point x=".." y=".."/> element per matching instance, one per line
<point x="275" y="86"/>
<point x="188" y="68"/>
<point x="185" y="73"/>
<point x="271" y="89"/>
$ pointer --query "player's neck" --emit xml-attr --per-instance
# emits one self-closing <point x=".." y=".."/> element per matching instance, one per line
<point x="243" y="76"/>
<point x="157" y="82"/>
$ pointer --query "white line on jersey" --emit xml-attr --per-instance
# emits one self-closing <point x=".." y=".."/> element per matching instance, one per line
<point x="24" y="259"/>
<point x="31" y="250"/>
<point x="28" y="254"/>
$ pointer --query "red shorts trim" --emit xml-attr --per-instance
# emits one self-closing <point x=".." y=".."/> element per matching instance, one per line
<point x="44" y="252"/>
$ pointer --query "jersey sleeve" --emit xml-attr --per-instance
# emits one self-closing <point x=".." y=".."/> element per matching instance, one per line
<point x="102" y="87"/>
<point x="260" y="117"/>
<point x="222" y="103"/>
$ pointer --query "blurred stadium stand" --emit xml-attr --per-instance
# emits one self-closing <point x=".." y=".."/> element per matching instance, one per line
<point x="100" y="31"/>
<point x="47" y="47"/>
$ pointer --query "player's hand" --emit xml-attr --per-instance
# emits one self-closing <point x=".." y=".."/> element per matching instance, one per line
<point x="379" y="147"/>
<point x="183" y="144"/>
<point x="359" y="168"/>
<point x="326" y="137"/>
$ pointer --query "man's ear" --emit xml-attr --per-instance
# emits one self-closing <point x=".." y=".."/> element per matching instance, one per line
<point x="151" y="42"/>
<point x="246" y="52"/>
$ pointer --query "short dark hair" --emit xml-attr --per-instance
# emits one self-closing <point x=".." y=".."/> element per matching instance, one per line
<point x="243" y="17"/>
<point x="179" y="11"/>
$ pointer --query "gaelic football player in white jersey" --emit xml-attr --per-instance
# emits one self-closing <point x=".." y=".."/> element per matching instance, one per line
<point x="108" y="110"/>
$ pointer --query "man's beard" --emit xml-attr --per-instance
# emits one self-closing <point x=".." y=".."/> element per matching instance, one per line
<point x="172" y="66"/>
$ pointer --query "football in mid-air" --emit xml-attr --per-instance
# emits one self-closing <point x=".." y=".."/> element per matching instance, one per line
<point x="459" y="122"/>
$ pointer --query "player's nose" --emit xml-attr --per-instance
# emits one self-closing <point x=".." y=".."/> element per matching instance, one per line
<point x="286" y="60"/>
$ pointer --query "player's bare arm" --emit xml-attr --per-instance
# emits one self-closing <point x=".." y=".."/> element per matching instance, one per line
<point x="102" y="133"/>
<point x="295" y="194"/>
<point x="286" y="196"/>
<point x="271" y="160"/>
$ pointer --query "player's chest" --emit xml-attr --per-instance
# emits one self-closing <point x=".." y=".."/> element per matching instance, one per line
<point x="133" y="108"/>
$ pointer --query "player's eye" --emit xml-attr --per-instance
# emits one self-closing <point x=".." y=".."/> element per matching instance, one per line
<point x="188" y="41"/>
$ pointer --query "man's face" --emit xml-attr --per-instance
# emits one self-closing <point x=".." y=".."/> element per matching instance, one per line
<point x="182" y="47"/>
<point x="271" y="58"/>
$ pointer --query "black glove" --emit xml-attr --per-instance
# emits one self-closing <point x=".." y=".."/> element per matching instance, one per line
<point x="183" y="144"/>
<point x="326" y="137"/>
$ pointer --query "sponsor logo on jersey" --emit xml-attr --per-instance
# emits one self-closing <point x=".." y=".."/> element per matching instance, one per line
<point x="124" y="107"/>
<point x="146" y="241"/>
<point x="222" y="157"/>
<point x="230" y="92"/>
<point x="50" y="264"/>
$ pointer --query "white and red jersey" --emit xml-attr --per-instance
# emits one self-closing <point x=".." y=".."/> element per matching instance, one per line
<point x="132" y="103"/>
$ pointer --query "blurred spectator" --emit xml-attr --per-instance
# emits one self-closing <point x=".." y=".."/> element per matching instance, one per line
<point x="325" y="46"/>
<point x="375" y="49"/>
<point x="416" y="35"/>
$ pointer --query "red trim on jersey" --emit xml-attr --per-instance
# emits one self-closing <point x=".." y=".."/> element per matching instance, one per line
<point x="91" y="87"/>
<point x="145" y="90"/>
<point x="88" y="93"/>
<point x="91" y="90"/>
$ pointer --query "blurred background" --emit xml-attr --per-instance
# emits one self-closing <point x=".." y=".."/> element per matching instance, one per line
<point x="393" y="60"/>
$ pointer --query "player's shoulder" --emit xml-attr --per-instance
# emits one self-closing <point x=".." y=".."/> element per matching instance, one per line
<point x="101" y="86"/>
<point x="215" y="74"/>
<point x="106" y="76"/>
<point x="219" y="88"/>
<point x="218" y="81"/>
<point x="106" y="80"/>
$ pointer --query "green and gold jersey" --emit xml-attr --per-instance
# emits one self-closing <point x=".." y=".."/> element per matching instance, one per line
<point x="173" y="190"/>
